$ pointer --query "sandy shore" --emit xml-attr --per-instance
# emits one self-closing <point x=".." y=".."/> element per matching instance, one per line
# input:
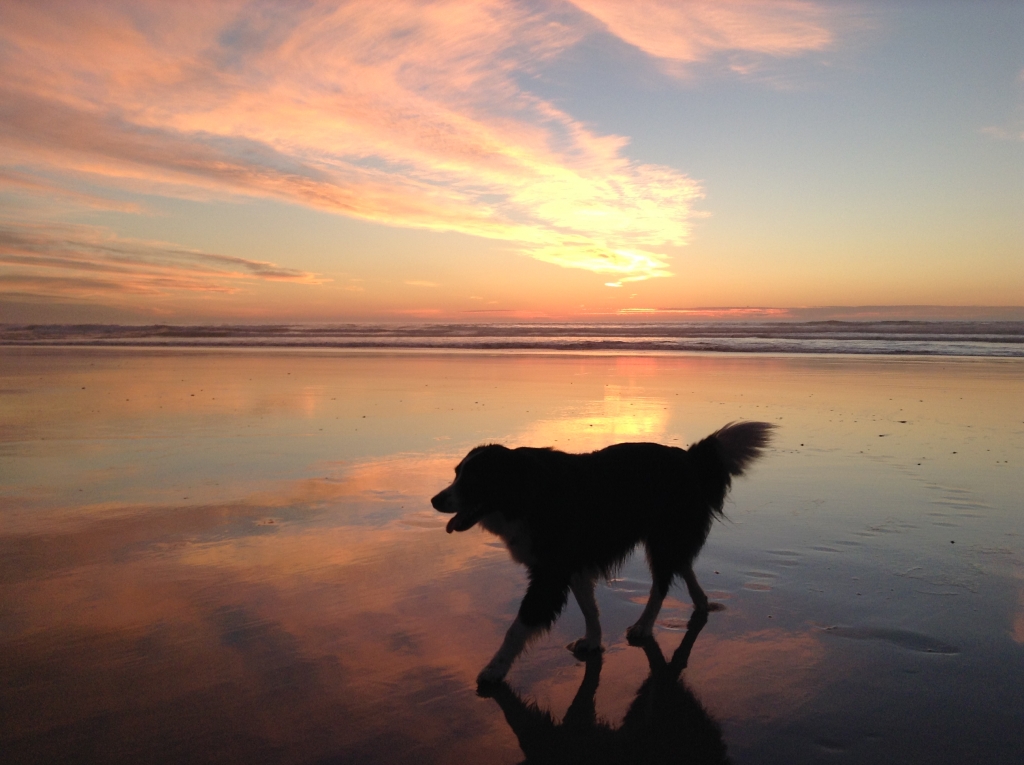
<point x="230" y="556"/>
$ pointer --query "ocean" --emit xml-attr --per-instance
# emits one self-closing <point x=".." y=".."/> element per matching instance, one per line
<point x="915" y="338"/>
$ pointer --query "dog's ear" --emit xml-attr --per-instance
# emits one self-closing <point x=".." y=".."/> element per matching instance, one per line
<point x="506" y="482"/>
<point x="493" y="476"/>
<point x="528" y="480"/>
<point x="486" y="484"/>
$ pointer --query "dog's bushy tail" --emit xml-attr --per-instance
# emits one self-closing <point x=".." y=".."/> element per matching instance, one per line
<point x="726" y="453"/>
<point x="740" y="443"/>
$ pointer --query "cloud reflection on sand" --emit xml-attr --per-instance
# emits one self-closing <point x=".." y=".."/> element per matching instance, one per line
<point x="296" y="624"/>
<point x="787" y="666"/>
<point x="296" y="627"/>
<point x="305" y="600"/>
<point x="1018" y="621"/>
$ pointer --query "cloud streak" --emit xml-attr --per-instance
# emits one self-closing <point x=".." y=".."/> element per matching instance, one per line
<point x="693" y="31"/>
<point x="85" y="261"/>
<point x="409" y="113"/>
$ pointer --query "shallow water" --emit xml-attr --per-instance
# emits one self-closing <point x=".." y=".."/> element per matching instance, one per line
<point x="230" y="556"/>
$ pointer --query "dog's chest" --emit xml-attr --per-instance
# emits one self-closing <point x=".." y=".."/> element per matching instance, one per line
<point x="514" y="534"/>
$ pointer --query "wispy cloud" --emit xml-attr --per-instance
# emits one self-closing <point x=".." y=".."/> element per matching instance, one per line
<point x="711" y="313"/>
<point x="1003" y="133"/>
<point x="81" y="261"/>
<point x="406" y="113"/>
<point x="41" y="187"/>
<point x="1013" y="129"/>
<point x="692" y="31"/>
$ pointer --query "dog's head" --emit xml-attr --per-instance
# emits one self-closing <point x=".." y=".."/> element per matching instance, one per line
<point x="484" y="483"/>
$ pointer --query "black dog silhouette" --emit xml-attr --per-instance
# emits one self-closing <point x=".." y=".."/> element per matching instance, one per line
<point x="573" y="517"/>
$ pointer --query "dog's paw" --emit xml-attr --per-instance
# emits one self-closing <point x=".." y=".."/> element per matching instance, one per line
<point x="583" y="647"/>
<point x="491" y="674"/>
<point x="638" y="634"/>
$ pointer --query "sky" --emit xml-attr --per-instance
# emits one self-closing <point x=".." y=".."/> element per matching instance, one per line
<point x="496" y="160"/>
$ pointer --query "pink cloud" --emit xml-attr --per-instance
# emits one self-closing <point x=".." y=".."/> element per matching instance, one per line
<point x="404" y="113"/>
<point x="696" y="30"/>
<point x="46" y="189"/>
<point x="82" y="261"/>
<point x="714" y="313"/>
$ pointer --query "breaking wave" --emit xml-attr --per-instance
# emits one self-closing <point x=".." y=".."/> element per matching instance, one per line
<point x="925" y="338"/>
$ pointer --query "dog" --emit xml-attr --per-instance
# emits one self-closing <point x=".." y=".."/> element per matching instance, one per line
<point x="570" y="518"/>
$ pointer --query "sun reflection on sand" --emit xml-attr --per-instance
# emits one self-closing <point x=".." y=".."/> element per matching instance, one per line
<point x="621" y="415"/>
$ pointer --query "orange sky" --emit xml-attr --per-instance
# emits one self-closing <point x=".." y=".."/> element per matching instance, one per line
<point x="483" y="160"/>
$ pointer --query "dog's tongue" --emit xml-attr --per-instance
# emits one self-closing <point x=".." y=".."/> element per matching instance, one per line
<point x="461" y="521"/>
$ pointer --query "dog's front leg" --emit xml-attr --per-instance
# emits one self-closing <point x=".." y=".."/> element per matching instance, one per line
<point x="544" y="600"/>
<point x="515" y="641"/>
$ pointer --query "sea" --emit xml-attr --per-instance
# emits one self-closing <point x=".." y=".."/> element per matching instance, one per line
<point x="911" y="338"/>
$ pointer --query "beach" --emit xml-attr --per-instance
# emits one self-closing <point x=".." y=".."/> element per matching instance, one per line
<point x="229" y="554"/>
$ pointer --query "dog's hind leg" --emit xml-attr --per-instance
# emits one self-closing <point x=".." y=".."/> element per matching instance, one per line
<point x="544" y="600"/>
<point x="582" y="586"/>
<point x="700" y="600"/>
<point x="644" y="626"/>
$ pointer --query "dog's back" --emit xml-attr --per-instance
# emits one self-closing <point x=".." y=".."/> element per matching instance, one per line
<point x="591" y="510"/>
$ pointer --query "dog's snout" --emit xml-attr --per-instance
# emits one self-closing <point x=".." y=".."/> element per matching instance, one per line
<point x="438" y="500"/>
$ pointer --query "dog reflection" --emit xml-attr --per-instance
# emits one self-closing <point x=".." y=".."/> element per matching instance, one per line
<point x="665" y="723"/>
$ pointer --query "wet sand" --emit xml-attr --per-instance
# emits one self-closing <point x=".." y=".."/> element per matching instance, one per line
<point x="224" y="556"/>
